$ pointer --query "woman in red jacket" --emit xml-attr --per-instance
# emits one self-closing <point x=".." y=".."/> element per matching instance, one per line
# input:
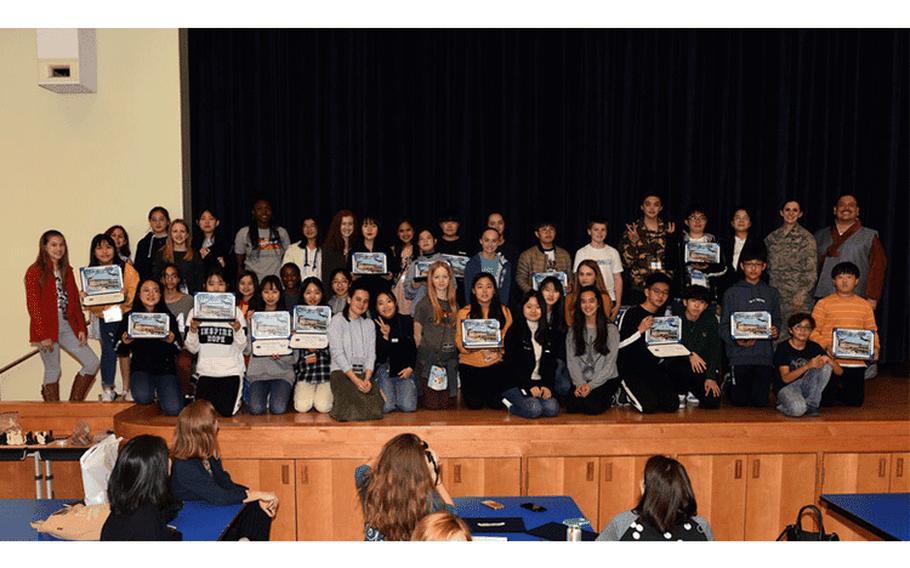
<point x="56" y="318"/>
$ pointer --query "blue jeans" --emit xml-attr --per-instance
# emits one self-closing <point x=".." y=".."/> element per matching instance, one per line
<point x="399" y="393"/>
<point x="273" y="395"/>
<point x="144" y="386"/>
<point x="527" y="406"/>
<point x="563" y="381"/>
<point x="805" y="392"/>
<point x="108" y="355"/>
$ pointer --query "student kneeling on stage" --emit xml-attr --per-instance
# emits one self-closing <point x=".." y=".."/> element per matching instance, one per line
<point x="695" y="376"/>
<point x="644" y="381"/>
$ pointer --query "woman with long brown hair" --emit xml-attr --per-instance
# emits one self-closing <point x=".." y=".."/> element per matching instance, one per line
<point x="196" y="474"/>
<point x="56" y="317"/>
<point x="340" y="238"/>
<point x="400" y="487"/>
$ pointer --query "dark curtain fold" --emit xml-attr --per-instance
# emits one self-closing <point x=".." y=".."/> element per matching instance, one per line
<point x="562" y="123"/>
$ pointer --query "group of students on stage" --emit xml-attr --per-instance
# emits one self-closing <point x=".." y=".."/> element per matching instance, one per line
<point x="395" y="338"/>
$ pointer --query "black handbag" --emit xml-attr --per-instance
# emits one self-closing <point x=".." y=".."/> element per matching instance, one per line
<point x="796" y="532"/>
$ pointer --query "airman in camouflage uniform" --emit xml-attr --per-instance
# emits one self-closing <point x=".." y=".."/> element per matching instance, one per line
<point x="792" y="259"/>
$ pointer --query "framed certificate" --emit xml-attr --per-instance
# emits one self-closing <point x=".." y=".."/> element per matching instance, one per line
<point x="539" y="277"/>
<point x="664" y="330"/>
<point x="423" y="269"/>
<point x="311" y="324"/>
<point x="144" y="325"/>
<point x="708" y="253"/>
<point x="270" y="325"/>
<point x="217" y="306"/>
<point x="750" y="325"/>
<point x="457" y="262"/>
<point x="853" y="343"/>
<point x="368" y="263"/>
<point x="480" y="333"/>
<point x="102" y="285"/>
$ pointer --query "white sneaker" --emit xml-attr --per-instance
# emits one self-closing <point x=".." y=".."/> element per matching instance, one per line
<point x="126" y="396"/>
<point x="692" y="399"/>
<point x="682" y="400"/>
<point x="108" y="394"/>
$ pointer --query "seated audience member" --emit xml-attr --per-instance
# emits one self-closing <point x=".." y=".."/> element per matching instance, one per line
<point x="705" y="274"/>
<point x="399" y="487"/>
<point x="197" y="474"/>
<point x="545" y="256"/>
<point x="805" y="369"/>
<point x="138" y="491"/>
<point x="396" y="355"/>
<point x="441" y="526"/>
<point x="607" y="259"/>
<point x="696" y="376"/>
<point x="667" y="510"/>
<point x="482" y="370"/>
<point x="592" y="346"/>
<point x="844" y="309"/>
<point x="644" y="247"/>
<point x="352" y="343"/>
<point x="531" y="362"/>
<point x="644" y="382"/>
<point x="587" y="274"/>
<point x="748" y="382"/>
<point x="492" y="262"/>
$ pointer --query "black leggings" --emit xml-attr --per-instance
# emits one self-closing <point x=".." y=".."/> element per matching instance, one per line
<point x="482" y="386"/>
<point x="251" y="522"/>
<point x="222" y="392"/>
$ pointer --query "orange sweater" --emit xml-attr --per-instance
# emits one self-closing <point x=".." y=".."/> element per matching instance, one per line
<point x="478" y="357"/>
<point x="851" y="313"/>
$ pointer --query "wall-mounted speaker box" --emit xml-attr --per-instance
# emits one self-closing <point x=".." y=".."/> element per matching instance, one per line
<point x="67" y="62"/>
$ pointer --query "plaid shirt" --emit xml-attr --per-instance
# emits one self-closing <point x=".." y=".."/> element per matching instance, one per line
<point x="316" y="372"/>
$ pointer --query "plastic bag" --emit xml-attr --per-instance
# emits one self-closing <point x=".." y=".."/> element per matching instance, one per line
<point x="97" y="463"/>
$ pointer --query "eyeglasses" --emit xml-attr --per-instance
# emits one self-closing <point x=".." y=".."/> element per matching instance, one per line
<point x="754" y="263"/>
<point x="697" y="218"/>
<point x="171" y="276"/>
<point x="804" y="327"/>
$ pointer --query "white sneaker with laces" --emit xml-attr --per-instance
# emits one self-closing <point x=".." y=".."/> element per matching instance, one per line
<point x="108" y="395"/>
<point x="682" y="400"/>
<point x="692" y="399"/>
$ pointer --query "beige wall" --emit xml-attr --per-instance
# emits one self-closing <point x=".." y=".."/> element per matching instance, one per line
<point x="79" y="164"/>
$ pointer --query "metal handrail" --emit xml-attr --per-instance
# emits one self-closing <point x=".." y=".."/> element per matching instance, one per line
<point x="17" y="361"/>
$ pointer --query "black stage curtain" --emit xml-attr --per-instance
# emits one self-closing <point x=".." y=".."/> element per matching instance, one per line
<point x="562" y="123"/>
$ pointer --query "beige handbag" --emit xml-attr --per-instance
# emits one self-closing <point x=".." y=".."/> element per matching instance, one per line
<point x="77" y="522"/>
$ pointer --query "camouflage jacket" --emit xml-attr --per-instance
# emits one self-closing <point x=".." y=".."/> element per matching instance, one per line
<point x="792" y="262"/>
<point x="651" y="248"/>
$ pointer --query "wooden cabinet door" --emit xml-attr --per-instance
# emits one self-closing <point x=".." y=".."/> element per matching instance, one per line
<point x="777" y="486"/>
<point x="276" y="476"/>
<point x="719" y="485"/>
<point x="576" y="477"/>
<point x="328" y="506"/>
<point x="475" y="477"/>
<point x="853" y="473"/>
<point x="900" y="477"/>
<point x="619" y="485"/>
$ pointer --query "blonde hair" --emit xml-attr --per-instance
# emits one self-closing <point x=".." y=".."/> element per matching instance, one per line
<point x="441" y="526"/>
<point x="195" y="435"/>
<point x="168" y="254"/>
<point x="438" y="313"/>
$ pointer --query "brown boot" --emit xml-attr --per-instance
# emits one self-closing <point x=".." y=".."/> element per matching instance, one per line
<point x="51" y="392"/>
<point x="81" y="386"/>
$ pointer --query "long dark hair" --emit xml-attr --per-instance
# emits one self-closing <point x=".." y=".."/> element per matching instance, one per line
<point x="140" y="476"/>
<point x="125" y="249"/>
<point x="333" y="238"/>
<point x="495" y="310"/>
<point x="256" y="302"/>
<point x="559" y="308"/>
<point x="315" y="282"/>
<point x="198" y="236"/>
<point x="97" y="240"/>
<point x="540" y="336"/>
<point x="668" y="498"/>
<point x="578" y="324"/>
